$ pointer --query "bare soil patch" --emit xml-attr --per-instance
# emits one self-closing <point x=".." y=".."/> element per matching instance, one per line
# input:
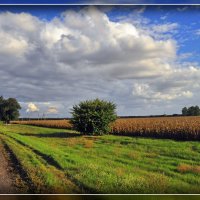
<point x="10" y="180"/>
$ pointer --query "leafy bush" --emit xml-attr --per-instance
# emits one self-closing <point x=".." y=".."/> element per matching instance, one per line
<point x="93" y="116"/>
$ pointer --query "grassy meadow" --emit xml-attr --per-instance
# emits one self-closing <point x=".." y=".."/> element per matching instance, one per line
<point x="63" y="161"/>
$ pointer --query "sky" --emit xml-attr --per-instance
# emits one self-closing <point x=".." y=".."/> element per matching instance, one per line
<point x="100" y="2"/>
<point x="145" y="59"/>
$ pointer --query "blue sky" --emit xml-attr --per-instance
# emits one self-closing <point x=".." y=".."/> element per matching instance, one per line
<point x="185" y="16"/>
<point x="143" y="58"/>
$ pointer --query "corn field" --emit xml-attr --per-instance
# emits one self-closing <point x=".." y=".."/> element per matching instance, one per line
<point x="180" y="128"/>
<point x="63" y="124"/>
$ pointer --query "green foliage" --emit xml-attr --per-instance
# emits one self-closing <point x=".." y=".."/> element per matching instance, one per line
<point x="9" y="109"/>
<point x="93" y="116"/>
<point x="184" y="111"/>
<point x="191" y="111"/>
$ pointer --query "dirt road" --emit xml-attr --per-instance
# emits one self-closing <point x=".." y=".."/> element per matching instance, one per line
<point x="6" y="174"/>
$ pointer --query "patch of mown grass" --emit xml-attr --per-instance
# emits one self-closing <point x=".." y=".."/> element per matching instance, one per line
<point x="103" y="164"/>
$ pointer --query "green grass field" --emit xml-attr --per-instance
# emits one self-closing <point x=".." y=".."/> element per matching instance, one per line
<point x="63" y="161"/>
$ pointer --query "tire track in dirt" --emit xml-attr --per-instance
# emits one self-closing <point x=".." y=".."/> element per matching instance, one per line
<point x="6" y="181"/>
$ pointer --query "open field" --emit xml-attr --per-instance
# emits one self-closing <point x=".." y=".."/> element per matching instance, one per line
<point x="63" y="161"/>
<point x="62" y="124"/>
<point x="180" y="128"/>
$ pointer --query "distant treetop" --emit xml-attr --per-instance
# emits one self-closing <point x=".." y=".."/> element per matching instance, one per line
<point x="191" y="111"/>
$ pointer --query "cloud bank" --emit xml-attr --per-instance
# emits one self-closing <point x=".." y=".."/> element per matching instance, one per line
<point x="84" y="54"/>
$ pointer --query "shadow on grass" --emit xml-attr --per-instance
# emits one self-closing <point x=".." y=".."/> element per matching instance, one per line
<point x="177" y="137"/>
<point x="53" y="135"/>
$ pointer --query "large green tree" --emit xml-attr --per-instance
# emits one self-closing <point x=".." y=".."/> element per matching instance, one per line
<point x="9" y="109"/>
<point x="93" y="116"/>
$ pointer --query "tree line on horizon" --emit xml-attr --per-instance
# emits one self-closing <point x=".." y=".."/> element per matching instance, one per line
<point x="191" y="111"/>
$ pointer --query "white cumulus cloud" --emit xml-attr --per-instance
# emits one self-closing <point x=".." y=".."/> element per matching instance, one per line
<point x="32" y="108"/>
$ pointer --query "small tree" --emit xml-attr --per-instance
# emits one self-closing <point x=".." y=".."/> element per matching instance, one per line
<point x="9" y="109"/>
<point x="93" y="116"/>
